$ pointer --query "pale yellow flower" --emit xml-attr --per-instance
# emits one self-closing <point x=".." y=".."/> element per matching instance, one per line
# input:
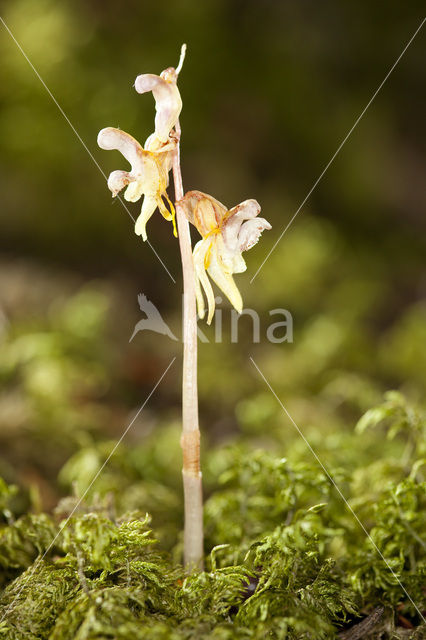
<point x="168" y="103"/>
<point x="148" y="177"/>
<point x="225" y="235"/>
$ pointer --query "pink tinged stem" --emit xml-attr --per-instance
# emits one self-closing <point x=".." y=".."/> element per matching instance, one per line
<point x="190" y="441"/>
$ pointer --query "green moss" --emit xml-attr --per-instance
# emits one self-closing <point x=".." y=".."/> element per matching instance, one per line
<point x="286" y="559"/>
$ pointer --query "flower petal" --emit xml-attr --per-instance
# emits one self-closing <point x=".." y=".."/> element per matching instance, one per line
<point x="134" y="191"/>
<point x="245" y="210"/>
<point x="235" y="217"/>
<point x="149" y="205"/>
<point x="201" y="249"/>
<point x="118" y="180"/>
<point x="224" y="280"/>
<point x="168" y="102"/>
<point x="203" y="211"/>
<point x="238" y="263"/>
<point x="111" y="138"/>
<point x="250" y="232"/>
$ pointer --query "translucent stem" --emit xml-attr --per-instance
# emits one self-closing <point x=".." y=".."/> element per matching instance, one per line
<point x="190" y="441"/>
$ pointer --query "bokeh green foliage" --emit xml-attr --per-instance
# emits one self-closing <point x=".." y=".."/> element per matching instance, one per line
<point x="53" y="373"/>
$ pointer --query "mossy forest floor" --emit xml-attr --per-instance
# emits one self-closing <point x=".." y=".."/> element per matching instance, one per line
<point x="286" y="558"/>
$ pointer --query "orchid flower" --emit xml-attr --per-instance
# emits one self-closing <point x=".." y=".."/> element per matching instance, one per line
<point x="149" y="175"/>
<point x="225" y="235"/>
<point x="168" y="103"/>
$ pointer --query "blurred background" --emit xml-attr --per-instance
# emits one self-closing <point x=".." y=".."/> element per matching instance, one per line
<point x="270" y="89"/>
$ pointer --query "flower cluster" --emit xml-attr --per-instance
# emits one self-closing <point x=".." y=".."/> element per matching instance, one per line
<point x="150" y="165"/>
<point x="225" y="233"/>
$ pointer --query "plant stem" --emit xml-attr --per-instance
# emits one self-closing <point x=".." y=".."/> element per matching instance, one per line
<point x="190" y="440"/>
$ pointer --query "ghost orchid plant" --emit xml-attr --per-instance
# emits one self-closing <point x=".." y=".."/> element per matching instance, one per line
<point x="225" y="235"/>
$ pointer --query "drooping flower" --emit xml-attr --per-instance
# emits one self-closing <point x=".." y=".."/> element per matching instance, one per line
<point x="225" y="235"/>
<point x="168" y="103"/>
<point x="148" y="177"/>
